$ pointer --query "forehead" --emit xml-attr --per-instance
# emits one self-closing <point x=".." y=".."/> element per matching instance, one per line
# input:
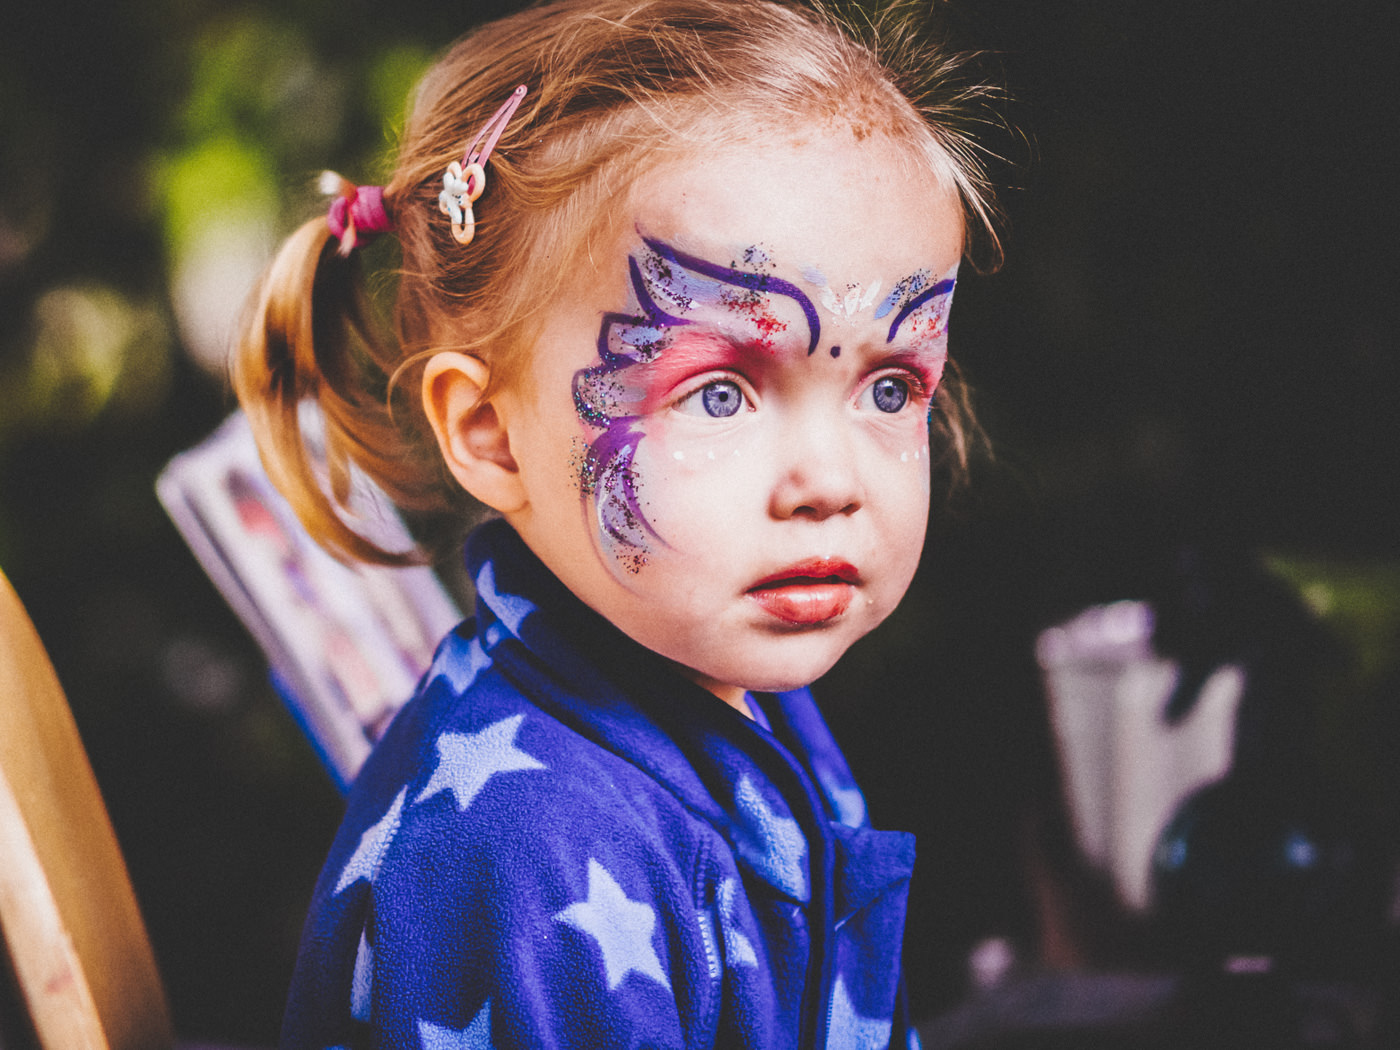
<point x="823" y="205"/>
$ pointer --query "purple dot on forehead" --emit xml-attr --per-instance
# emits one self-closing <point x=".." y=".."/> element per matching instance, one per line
<point x="835" y="351"/>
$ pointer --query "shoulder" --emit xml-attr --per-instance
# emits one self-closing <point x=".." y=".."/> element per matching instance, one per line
<point x="475" y="778"/>
<point x="504" y="786"/>
<point x="524" y="855"/>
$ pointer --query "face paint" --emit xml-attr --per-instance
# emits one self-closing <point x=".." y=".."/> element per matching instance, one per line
<point x="856" y="298"/>
<point x="927" y="303"/>
<point x="903" y="292"/>
<point x="690" y="282"/>
<point x="612" y="396"/>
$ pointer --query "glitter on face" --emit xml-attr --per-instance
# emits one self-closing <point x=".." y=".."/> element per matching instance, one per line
<point x="670" y="290"/>
<point x="940" y="295"/>
<point x="920" y="306"/>
<point x="691" y="281"/>
<point x="903" y="292"/>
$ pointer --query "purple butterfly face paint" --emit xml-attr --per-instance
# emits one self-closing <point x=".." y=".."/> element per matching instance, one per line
<point x="748" y="307"/>
<point x="671" y="290"/>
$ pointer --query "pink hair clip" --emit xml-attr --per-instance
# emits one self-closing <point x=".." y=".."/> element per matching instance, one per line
<point x="464" y="180"/>
<point x="356" y="210"/>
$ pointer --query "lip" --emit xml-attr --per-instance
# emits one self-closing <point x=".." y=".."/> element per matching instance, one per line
<point x="809" y="592"/>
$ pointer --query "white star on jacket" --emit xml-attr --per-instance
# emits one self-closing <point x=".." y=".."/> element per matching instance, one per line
<point x="741" y="951"/>
<point x="773" y="843"/>
<point x="850" y="805"/>
<point x="364" y="862"/>
<point x="511" y="608"/>
<point x="622" y="928"/>
<point x="461" y="674"/>
<point x="476" y="1036"/>
<point x="362" y="982"/>
<point x="850" y="1030"/>
<point x="466" y="761"/>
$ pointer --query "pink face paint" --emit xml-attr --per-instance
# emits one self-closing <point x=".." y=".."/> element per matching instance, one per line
<point x="689" y="353"/>
<point x="690" y="316"/>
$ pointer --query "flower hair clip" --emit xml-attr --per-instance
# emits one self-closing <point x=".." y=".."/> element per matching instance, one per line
<point x="464" y="180"/>
<point x="460" y="189"/>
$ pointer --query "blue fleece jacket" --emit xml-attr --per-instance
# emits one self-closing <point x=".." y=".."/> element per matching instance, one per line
<point x="562" y="842"/>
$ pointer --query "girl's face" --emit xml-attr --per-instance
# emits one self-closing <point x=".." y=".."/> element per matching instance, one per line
<point x="724" y="439"/>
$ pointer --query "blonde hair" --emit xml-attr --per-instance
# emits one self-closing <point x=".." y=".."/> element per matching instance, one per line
<point x="613" y="86"/>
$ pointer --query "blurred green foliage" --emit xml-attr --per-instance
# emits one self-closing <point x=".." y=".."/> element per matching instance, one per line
<point x="1359" y="599"/>
<point x="212" y="118"/>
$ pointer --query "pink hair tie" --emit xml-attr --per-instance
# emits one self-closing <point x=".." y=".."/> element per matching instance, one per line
<point x="357" y="211"/>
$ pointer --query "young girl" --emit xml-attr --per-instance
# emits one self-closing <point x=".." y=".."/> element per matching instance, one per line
<point x="678" y="313"/>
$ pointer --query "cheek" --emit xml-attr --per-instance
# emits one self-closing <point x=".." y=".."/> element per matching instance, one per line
<point x="897" y="476"/>
<point x="903" y="443"/>
<point x="696" y="483"/>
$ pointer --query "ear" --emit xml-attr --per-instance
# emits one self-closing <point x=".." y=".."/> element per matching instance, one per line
<point x="470" y="432"/>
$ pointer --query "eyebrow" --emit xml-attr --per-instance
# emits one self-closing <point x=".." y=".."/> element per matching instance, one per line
<point x="762" y="283"/>
<point x="943" y="287"/>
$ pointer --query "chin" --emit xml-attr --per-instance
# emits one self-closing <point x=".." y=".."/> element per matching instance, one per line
<point x="757" y="660"/>
<point x="780" y="676"/>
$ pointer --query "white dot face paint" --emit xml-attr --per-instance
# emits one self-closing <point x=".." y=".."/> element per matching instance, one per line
<point x="717" y="445"/>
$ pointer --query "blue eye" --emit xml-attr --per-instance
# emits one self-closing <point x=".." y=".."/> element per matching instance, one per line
<point x="718" y="400"/>
<point x="890" y="393"/>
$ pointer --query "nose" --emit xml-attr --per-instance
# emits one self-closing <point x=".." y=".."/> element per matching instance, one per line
<point x="818" y="471"/>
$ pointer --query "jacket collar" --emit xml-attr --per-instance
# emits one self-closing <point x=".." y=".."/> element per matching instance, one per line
<point x="782" y="799"/>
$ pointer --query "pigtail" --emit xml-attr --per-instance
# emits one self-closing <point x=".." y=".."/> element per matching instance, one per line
<point x="310" y="339"/>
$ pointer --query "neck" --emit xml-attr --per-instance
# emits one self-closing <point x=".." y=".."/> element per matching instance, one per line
<point x="733" y="695"/>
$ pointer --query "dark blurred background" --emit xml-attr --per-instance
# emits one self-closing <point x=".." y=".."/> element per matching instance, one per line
<point x="1192" y="345"/>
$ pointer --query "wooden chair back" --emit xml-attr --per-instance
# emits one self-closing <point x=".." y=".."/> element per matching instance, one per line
<point x="75" y="937"/>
